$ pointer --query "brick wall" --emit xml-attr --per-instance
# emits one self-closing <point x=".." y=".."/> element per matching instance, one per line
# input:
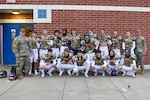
<point x="140" y="3"/>
<point x="110" y="20"/>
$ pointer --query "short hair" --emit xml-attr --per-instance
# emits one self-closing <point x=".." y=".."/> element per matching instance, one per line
<point x="49" y="50"/>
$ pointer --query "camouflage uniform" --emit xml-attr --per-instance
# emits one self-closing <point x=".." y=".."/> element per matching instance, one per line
<point x="113" y="64"/>
<point x="65" y="62"/>
<point x="104" y="48"/>
<point x="56" y="45"/>
<point x="22" y="46"/>
<point x="129" y="65"/>
<point x="47" y="62"/>
<point x="129" y="43"/>
<point x="64" y="43"/>
<point x="44" y="44"/>
<point x="81" y="64"/>
<point x="116" y="45"/>
<point x="98" y="65"/>
<point x="140" y="48"/>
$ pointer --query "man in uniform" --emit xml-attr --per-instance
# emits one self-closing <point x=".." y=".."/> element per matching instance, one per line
<point x="81" y="64"/>
<point x="103" y="42"/>
<point x="129" y="43"/>
<point x="23" y="49"/>
<point x="116" y="43"/>
<point x="56" y="43"/>
<point x="48" y="62"/>
<point x="64" y="40"/>
<point x="34" y="56"/>
<point x="99" y="63"/>
<point x="65" y="62"/>
<point x="44" y="43"/>
<point x="75" y="41"/>
<point x="140" y="50"/>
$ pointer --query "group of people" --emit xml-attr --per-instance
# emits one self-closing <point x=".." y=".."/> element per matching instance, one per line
<point x="74" y="54"/>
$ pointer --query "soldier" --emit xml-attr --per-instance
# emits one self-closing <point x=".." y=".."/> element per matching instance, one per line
<point x="75" y="41"/>
<point x="56" y="43"/>
<point x="48" y="62"/>
<point x="23" y="49"/>
<point x="103" y="42"/>
<point x="128" y="42"/>
<point x="65" y="62"/>
<point x="113" y="63"/>
<point x="44" y="43"/>
<point x="80" y="62"/>
<point x="34" y="56"/>
<point x="99" y="63"/>
<point x="140" y="50"/>
<point x="116" y="43"/>
<point x="64" y="40"/>
<point x="128" y="63"/>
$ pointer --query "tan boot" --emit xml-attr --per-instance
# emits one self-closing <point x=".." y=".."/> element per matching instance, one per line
<point x="19" y="76"/>
<point x="142" y="71"/>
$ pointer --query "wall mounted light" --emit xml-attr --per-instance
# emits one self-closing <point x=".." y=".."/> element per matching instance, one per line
<point x="15" y="12"/>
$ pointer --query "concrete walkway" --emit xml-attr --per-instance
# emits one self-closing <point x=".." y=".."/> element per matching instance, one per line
<point x="76" y="88"/>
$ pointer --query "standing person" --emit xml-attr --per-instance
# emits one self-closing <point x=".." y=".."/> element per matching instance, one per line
<point x="103" y="42"/>
<point x="140" y="50"/>
<point x="34" y="57"/>
<point x="56" y="43"/>
<point x="64" y="40"/>
<point x="116" y="43"/>
<point x="129" y="42"/>
<point x="75" y="41"/>
<point x="23" y="49"/>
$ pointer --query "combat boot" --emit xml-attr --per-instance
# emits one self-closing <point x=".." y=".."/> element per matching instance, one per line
<point x="142" y="71"/>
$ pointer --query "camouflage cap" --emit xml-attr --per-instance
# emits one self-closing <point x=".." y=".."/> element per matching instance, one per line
<point x="22" y="30"/>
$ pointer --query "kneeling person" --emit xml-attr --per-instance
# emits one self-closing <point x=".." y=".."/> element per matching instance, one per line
<point x="65" y="62"/>
<point x="47" y="62"/>
<point x="81" y="64"/>
<point x="99" y="64"/>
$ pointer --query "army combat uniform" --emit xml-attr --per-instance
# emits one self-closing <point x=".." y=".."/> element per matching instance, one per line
<point x="65" y="62"/>
<point x="99" y="65"/>
<point x="81" y="65"/>
<point x="48" y="62"/>
<point x="140" y="48"/>
<point x="22" y="46"/>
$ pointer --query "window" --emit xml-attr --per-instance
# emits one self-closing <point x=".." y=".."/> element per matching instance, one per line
<point x="42" y="13"/>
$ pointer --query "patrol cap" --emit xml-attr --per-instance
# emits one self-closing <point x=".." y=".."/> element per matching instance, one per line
<point x="138" y="30"/>
<point x="49" y="50"/>
<point x="98" y="51"/>
<point x="66" y="50"/>
<point x="22" y="30"/>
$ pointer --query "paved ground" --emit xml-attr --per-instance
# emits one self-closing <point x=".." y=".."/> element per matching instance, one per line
<point x="76" y="88"/>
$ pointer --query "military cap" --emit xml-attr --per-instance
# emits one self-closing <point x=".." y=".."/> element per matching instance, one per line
<point x="22" y="30"/>
<point x="138" y="30"/>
